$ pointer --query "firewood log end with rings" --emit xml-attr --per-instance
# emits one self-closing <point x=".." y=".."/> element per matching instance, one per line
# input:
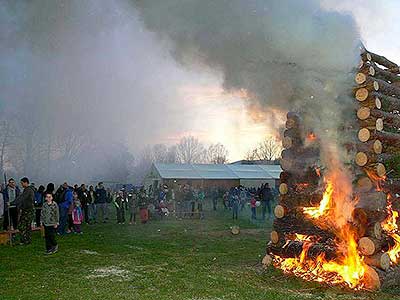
<point x="362" y="94"/>
<point x="380" y="170"/>
<point x="274" y="237"/>
<point x="360" y="78"/>
<point x="377" y="146"/>
<point x="364" y="135"/>
<point x="279" y="211"/>
<point x="379" y="124"/>
<point x="283" y="189"/>
<point x="367" y="246"/>
<point x="361" y="159"/>
<point x="363" y="113"/>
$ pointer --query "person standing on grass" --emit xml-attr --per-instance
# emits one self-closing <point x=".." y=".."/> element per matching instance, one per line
<point x="266" y="199"/>
<point x="25" y="205"/>
<point x="83" y="196"/>
<point x="10" y="194"/>
<point x="101" y="200"/>
<point x="39" y="198"/>
<point x="77" y="214"/>
<point x="253" y="206"/>
<point x="132" y="204"/>
<point x="143" y="206"/>
<point x="65" y="199"/>
<point x="235" y="206"/>
<point x="50" y="218"/>
<point x="92" y="205"/>
<point x="119" y="205"/>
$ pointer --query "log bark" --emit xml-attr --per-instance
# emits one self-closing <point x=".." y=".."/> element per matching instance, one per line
<point x="389" y="138"/>
<point x="371" y="69"/>
<point x="379" y="260"/>
<point x="376" y="279"/>
<point x="364" y="184"/>
<point x="388" y="103"/>
<point x="295" y="248"/>
<point x="364" y="158"/>
<point x="391" y="119"/>
<point x="386" y="88"/>
<point x="368" y="147"/>
<point x="381" y="60"/>
<point x="292" y="225"/>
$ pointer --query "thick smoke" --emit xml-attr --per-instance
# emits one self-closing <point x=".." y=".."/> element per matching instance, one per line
<point x="82" y="79"/>
<point x="290" y="55"/>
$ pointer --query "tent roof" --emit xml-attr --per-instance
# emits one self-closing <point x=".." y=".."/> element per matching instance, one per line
<point x="212" y="171"/>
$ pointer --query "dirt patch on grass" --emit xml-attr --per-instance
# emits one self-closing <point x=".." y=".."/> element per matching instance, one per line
<point x="112" y="272"/>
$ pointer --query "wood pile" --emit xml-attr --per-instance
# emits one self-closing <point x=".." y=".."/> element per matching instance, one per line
<point x="376" y="152"/>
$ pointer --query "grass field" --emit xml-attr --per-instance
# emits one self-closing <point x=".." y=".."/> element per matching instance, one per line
<point x="168" y="259"/>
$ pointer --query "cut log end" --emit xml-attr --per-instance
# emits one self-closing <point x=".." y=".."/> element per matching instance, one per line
<point x="360" y="78"/>
<point x="274" y="237"/>
<point x="379" y="260"/>
<point x="279" y="211"/>
<point x="283" y="189"/>
<point x="380" y="170"/>
<point x="371" y="279"/>
<point x="362" y="94"/>
<point x="367" y="246"/>
<point x="364" y="135"/>
<point x="379" y="124"/>
<point x="377" y="146"/>
<point x="361" y="159"/>
<point x="363" y="113"/>
<point x="378" y="103"/>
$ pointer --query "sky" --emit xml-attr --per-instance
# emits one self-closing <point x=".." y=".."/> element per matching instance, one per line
<point x="98" y="59"/>
<point x="222" y="117"/>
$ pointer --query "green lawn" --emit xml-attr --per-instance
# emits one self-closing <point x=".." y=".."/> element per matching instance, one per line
<point x="168" y="259"/>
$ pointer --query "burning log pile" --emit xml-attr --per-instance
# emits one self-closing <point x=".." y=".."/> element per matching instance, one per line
<point x="329" y="231"/>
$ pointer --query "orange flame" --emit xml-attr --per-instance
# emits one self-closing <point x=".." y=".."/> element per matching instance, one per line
<point x="334" y="212"/>
<point x="390" y="226"/>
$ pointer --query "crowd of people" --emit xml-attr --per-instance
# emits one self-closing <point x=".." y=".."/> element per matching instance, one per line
<point x="63" y="210"/>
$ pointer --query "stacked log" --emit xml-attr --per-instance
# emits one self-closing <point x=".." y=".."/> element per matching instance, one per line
<point x="298" y="188"/>
<point x="378" y="99"/>
<point x="376" y="143"/>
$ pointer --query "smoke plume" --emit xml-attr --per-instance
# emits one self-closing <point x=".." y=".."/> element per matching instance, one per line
<point x="286" y="55"/>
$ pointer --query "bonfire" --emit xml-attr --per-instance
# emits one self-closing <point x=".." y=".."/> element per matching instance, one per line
<point x="336" y="221"/>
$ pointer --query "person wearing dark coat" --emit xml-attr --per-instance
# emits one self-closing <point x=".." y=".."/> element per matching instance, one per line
<point x="25" y="202"/>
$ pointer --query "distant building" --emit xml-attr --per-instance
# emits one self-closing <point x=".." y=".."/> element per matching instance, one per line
<point x="212" y="175"/>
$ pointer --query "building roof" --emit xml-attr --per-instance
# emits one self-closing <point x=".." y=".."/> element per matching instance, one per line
<point x="213" y="171"/>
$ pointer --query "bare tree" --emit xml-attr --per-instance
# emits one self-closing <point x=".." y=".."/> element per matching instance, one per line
<point x="190" y="150"/>
<point x="267" y="150"/>
<point x="217" y="154"/>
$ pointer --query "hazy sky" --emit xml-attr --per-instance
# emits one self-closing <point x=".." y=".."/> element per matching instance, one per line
<point x="221" y="117"/>
<point x="98" y="57"/>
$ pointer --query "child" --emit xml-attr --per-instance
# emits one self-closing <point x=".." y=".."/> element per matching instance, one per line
<point x="77" y="214"/>
<point x="50" y="219"/>
<point x="253" y="205"/>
